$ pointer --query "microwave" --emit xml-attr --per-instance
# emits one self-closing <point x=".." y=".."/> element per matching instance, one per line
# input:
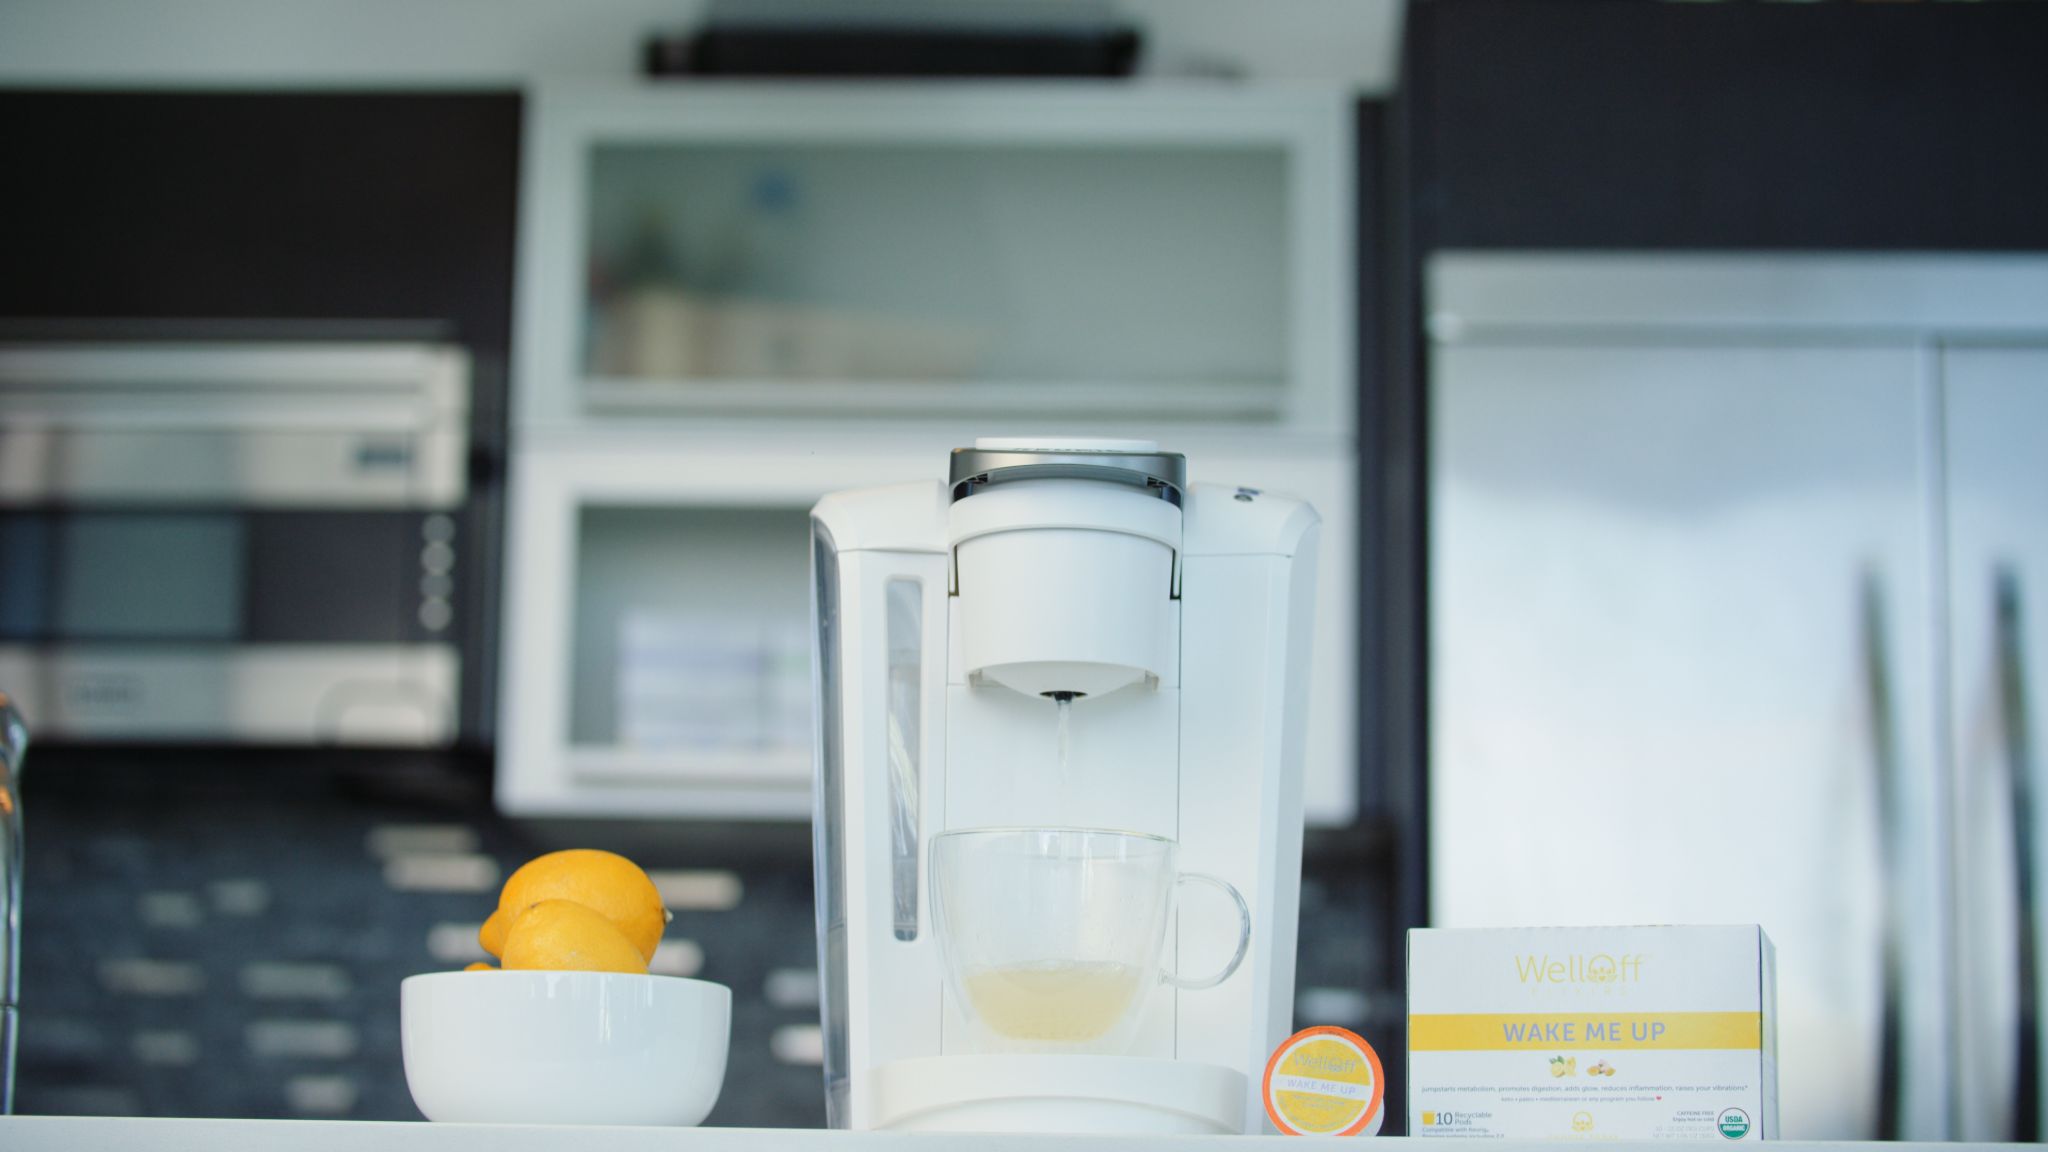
<point x="241" y="543"/>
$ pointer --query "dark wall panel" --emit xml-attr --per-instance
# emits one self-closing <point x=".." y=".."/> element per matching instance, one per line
<point x="1551" y="123"/>
<point x="327" y="206"/>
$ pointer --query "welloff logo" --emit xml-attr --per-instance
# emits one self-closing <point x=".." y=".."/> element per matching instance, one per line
<point x="1599" y="968"/>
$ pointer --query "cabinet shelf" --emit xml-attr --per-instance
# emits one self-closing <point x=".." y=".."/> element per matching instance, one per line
<point x="770" y="784"/>
<point x="759" y="769"/>
<point x="1244" y="399"/>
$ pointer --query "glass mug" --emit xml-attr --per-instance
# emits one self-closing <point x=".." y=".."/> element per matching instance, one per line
<point x="1051" y="936"/>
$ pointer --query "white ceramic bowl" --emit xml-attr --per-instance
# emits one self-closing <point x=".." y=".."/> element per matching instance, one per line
<point x="564" y="1047"/>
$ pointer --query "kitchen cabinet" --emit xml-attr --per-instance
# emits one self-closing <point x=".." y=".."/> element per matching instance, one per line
<point x="735" y="298"/>
<point x="1060" y="251"/>
<point x="1730" y="562"/>
<point x="648" y="577"/>
<point x="658" y="612"/>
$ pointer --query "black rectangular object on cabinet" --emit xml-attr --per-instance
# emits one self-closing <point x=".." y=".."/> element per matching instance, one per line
<point x="776" y="50"/>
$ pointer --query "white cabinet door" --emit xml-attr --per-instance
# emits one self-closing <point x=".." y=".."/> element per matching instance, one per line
<point x="1681" y="638"/>
<point x="1997" y="468"/>
<point x="639" y="574"/>
<point x="792" y="250"/>
<point x="637" y="567"/>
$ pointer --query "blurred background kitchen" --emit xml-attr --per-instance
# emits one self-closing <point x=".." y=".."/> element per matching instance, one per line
<point x="409" y="412"/>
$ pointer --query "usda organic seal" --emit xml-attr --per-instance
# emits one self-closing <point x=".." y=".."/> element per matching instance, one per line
<point x="1732" y="1123"/>
<point x="1325" y="1082"/>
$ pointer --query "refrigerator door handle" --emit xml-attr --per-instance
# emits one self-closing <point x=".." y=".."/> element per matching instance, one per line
<point x="2015" y="734"/>
<point x="1877" y="686"/>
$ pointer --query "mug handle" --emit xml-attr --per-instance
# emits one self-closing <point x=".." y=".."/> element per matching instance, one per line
<point x="1244" y="933"/>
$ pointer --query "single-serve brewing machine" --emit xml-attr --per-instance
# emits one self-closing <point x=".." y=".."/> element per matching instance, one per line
<point x="1060" y="741"/>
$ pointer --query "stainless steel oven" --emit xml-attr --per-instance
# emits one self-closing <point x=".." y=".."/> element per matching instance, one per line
<point x="234" y="542"/>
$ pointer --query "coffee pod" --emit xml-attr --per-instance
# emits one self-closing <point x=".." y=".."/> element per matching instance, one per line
<point x="1325" y="1082"/>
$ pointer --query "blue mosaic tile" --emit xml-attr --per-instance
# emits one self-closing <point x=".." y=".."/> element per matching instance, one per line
<point x="243" y="858"/>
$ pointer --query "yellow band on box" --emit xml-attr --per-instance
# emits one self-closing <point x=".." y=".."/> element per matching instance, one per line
<point x="1518" y="1031"/>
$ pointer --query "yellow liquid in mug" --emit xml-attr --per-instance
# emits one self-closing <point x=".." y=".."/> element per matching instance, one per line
<point x="1054" y="1001"/>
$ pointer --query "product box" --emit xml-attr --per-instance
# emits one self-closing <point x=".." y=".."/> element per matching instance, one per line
<point x="1653" y="1033"/>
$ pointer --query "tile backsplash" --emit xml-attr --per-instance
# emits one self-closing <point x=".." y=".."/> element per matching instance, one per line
<point x="223" y="934"/>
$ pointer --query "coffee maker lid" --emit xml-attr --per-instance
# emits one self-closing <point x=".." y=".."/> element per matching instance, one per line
<point x="1139" y="463"/>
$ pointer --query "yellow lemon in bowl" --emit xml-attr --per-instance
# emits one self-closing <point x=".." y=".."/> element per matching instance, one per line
<point x="604" y="882"/>
<point x="564" y="936"/>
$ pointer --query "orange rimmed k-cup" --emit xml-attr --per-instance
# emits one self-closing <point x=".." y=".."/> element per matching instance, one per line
<point x="1325" y="1082"/>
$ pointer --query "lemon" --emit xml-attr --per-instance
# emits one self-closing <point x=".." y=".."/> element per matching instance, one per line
<point x="605" y="882"/>
<point x="479" y="966"/>
<point x="492" y="934"/>
<point x="564" y="936"/>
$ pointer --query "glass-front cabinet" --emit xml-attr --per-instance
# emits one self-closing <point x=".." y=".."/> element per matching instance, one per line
<point x="659" y="619"/>
<point x="658" y="624"/>
<point x="1071" y="250"/>
<point x="735" y="298"/>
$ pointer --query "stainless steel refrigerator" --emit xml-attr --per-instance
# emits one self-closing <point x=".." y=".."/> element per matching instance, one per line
<point x="1738" y="611"/>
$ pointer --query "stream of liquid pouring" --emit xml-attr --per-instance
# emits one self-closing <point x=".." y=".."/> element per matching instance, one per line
<point x="1066" y="707"/>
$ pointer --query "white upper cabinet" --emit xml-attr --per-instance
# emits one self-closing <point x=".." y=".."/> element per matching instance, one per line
<point x="658" y="632"/>
<point x="1077" y="252"/>
<point x="734" y="298"/>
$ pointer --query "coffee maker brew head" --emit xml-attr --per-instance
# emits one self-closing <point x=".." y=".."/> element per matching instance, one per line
<point x="1066" y="563"/>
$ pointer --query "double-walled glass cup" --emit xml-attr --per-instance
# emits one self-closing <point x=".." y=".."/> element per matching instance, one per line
<point x="1052" y="936"/>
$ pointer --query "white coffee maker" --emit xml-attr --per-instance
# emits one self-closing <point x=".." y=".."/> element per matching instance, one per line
<point x="1062" y="634"/>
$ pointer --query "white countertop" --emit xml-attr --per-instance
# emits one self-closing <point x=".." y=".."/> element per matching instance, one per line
<point x="123" y="1134"/>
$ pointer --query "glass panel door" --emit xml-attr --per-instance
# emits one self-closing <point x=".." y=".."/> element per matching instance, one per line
<point x="692" y="637"/>
<point x="1161" y="265"/>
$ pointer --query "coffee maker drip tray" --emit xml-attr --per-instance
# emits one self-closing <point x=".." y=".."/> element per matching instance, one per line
<point x="1067" y="1094"/>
